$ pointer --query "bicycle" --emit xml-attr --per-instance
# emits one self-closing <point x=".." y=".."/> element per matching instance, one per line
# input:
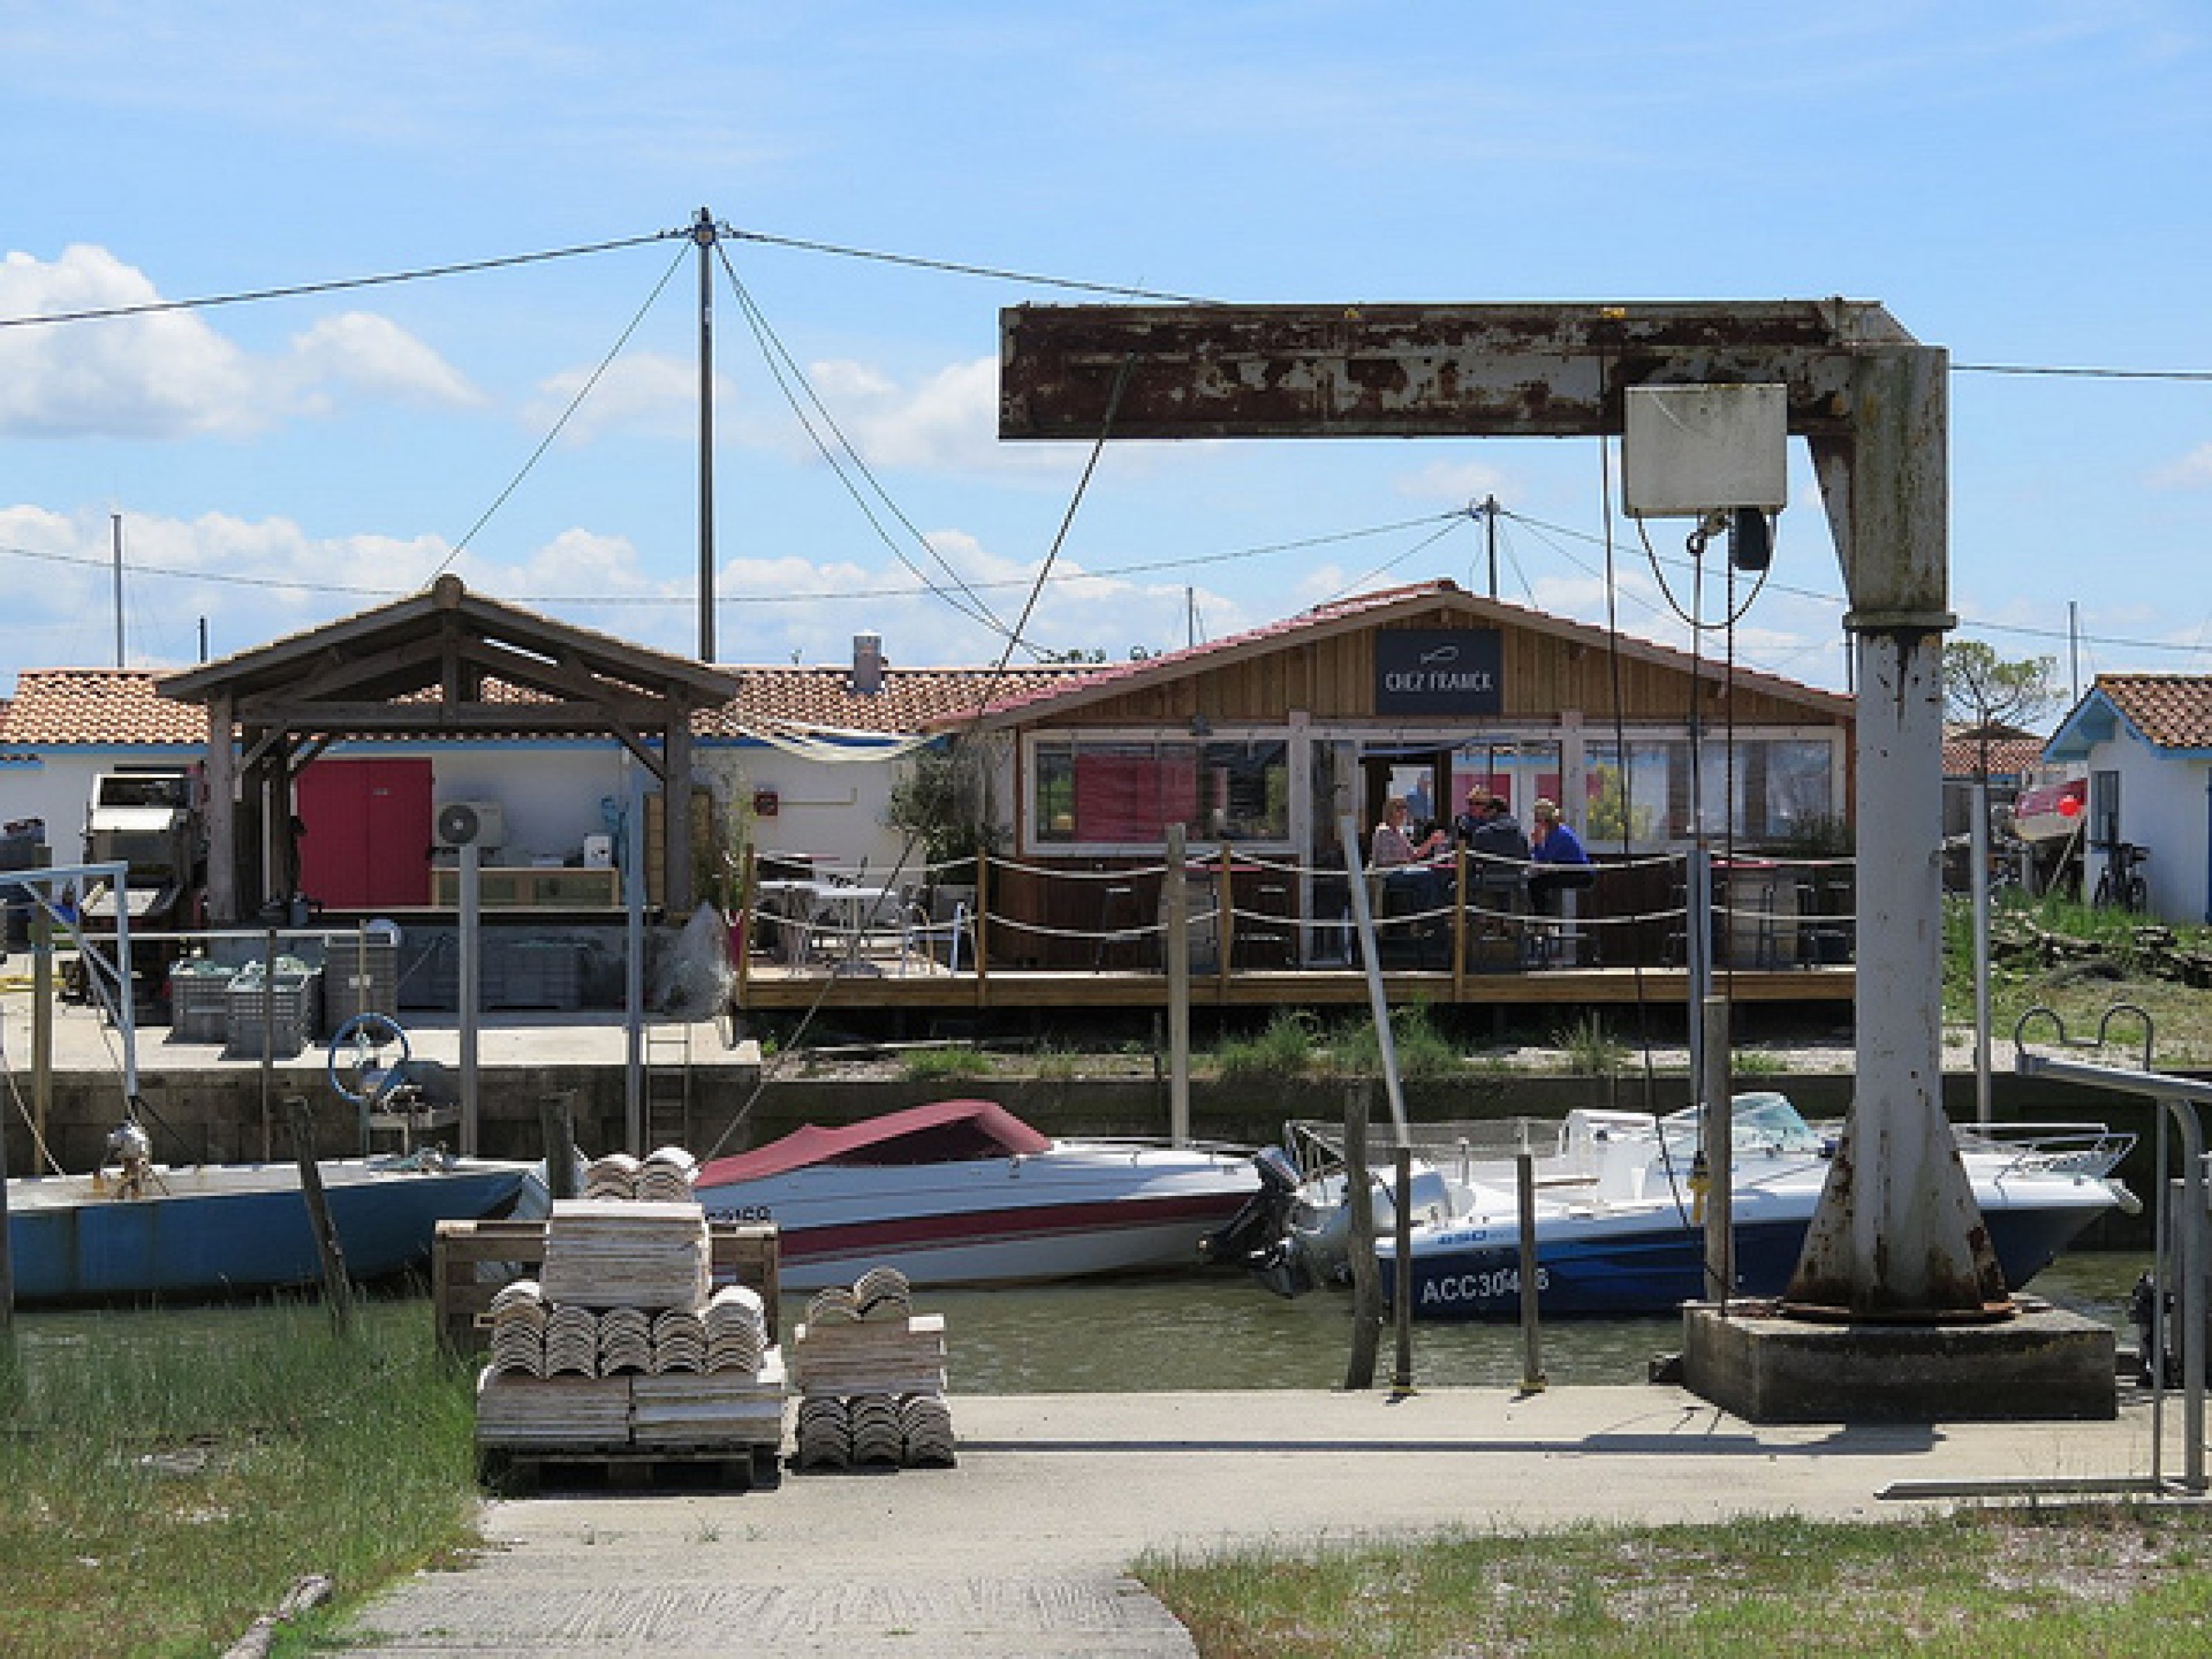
<point x="2121" y="884"/>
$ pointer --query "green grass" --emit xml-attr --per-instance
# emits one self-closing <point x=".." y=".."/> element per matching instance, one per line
<point x="1284" y="1047"/>
<point x="1590" y="1048"/>
<point x="957" y="1064"/>
<point x="2108" y="962"/>
<point x="164" y="1478"/>
<point x="1424" y="1053"/>
<point x="2029" y="1583"/>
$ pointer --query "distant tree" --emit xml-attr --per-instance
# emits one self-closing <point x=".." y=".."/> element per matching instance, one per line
<point x="1982" y="690"/>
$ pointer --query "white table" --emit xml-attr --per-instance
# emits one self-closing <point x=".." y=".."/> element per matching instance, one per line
<point x="844" y="909"/>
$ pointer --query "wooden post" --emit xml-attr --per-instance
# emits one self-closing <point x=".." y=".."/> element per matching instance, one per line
<point x="557" y="1130"/>
<point x="1720" y="1148"/>
<point x="1177" y="946"/>
<point x="1459" y="925"/>
<point x="338" y="1289"/>
<point x="1224" y="927"/>
<point x="1401" y="1305"/>
<point x="1532" y="1327"/>
<point x="982" y="920"/>
<point x="1366" y="1277"/>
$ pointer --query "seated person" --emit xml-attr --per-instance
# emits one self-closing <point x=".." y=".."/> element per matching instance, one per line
<point x="1498" y="849"/>
<point x="1559" y="860"/>
<point x="1393" y="852"/>
<point x="1393" y="844"/>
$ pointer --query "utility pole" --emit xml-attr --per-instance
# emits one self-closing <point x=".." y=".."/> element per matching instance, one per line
<point x="704" y="234"/>
<point x="115" y="520"/>
<point x="2073" y="651"/>
<point x="1490" y="523"/>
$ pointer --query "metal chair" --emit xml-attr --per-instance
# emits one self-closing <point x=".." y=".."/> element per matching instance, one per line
<point x="1267" y="928"/>
<point x="1119" y="927"/>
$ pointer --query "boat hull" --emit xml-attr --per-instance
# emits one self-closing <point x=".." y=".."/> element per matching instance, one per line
<point x="230" y="1230"/>
<point x="1076" y="1211"/>
<point x="1625" y="1265"/>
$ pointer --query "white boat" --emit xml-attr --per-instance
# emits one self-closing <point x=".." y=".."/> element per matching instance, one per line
<point x="2050" y="806"/>
<point x="1618" y="1218"/>
<point x="963" y="1192"/>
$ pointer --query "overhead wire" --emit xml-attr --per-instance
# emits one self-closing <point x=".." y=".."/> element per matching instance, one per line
<point x="966" y="734"/>
<point x="335" y="285"/>
<point x="784" y="370"/>
<point x="575" y="403"/>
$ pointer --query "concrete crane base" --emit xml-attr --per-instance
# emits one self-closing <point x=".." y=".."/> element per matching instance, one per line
<point x="2042" y="1364"/>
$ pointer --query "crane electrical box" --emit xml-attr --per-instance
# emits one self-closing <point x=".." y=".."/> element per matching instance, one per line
<point x="1688" y="451"/>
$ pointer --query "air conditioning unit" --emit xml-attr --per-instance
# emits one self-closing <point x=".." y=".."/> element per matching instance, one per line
<point x="471" y="822"/>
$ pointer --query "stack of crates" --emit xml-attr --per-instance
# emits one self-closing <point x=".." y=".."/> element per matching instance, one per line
<point x="199" y="1000"/>
<point x="359" y="979"/>
<point x="289" y="1008"/>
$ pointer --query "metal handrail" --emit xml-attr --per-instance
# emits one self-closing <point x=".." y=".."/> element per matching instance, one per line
<point x="2181" y="1096"/>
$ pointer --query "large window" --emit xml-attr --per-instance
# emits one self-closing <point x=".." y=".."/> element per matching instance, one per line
<point x="1767" y="790"/>
<point x="1125" y="792"/>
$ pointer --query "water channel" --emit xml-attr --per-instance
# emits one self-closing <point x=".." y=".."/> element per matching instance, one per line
<point x="1219" y="1331"/>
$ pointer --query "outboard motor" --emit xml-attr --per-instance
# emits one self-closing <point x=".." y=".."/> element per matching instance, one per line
<point x="132" y="1153"/>
<point x="2143" y="1301"/>
<point x="1254" y="1237"/>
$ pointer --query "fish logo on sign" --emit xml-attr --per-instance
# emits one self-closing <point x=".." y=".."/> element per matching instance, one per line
<point x="1442" y="653"/>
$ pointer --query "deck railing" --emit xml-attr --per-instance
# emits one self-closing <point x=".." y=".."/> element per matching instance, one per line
<point x="1250" y="911"/>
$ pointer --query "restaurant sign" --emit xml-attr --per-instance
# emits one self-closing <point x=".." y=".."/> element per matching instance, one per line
<point x="1437" y="670"/>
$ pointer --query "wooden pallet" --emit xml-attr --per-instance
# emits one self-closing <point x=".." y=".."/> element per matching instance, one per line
<point x="514" y="1472"/>
<point x="743" y="1252"/>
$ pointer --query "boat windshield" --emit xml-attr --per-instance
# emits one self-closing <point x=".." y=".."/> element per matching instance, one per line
<point x="1764" y="1121"/>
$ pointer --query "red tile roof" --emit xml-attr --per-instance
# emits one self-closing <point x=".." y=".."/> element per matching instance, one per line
<point x="63" y="707"/>
<point x="2174" y="711"/>
<point x="2009" y="752"/>
<point x="911" y="699"/>
<point x="93" y="706"/>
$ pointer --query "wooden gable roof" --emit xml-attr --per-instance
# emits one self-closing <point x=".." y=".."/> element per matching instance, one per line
<point x="1322" y="661"/>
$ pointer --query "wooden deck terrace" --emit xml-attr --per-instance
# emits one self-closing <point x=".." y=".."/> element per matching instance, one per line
<point x="880" y="986"/>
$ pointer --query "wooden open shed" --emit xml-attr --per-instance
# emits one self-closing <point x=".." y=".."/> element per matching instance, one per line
<point x="443" y="663"/>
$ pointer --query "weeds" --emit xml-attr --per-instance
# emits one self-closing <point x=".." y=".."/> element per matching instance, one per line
<point x="959" y="1063"/>
<point x="1285" y="1047"/>
<point x="168" y="1475"/>
<point x="1590" y="1048"/>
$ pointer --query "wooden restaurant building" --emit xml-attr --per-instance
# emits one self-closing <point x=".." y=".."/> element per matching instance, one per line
<point x="1261" y="745"/>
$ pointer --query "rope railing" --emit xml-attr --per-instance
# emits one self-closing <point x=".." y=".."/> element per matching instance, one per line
<point x="1761" y="924"/>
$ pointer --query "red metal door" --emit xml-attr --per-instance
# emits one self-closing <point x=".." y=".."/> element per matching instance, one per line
<point x="367" y="840"/>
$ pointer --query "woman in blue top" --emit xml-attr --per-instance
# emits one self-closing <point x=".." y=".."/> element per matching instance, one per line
<point x="1559" y="860"/>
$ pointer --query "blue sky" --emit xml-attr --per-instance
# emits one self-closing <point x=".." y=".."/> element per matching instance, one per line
<point x="2024" y="183"/>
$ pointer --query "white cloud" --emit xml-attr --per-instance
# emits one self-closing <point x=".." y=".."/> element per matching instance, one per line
<point x="649" y="392"/>
<point x="362" y="349"/>
<point x="166" y="375"/>
<point x="2192" y="472"/>
<point x="1460" y="482"/>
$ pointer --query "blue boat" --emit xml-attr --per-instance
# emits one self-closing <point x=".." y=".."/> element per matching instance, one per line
<point x="225" y="1230"/>
<point x="1619" y="1228"/>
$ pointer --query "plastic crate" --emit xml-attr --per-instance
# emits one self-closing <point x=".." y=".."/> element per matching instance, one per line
<point x="199" y="1001"/>
<point x="347" y="990"/>
<point x="288" y="1009"/>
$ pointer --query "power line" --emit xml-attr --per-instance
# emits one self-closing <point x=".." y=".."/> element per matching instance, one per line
<point x="2085" y="373"/>
<point x="955" y="269"/>
<point x="333" y="286"/>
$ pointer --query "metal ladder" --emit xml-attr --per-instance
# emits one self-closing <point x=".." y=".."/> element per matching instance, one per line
<point x="668" y="1084"/>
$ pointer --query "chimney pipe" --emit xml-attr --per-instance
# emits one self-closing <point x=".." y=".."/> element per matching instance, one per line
<point x="867" y="665"/>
